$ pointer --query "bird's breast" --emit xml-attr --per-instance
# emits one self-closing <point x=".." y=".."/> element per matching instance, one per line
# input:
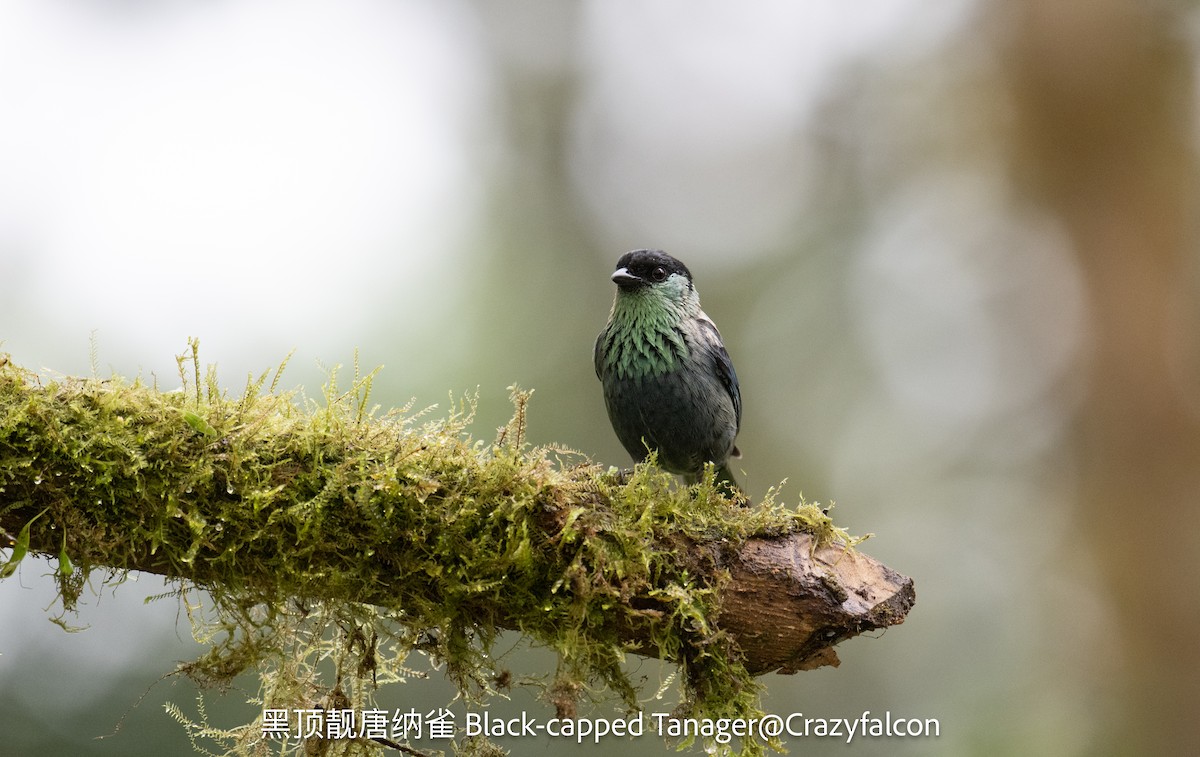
<point x="638" y="354"/>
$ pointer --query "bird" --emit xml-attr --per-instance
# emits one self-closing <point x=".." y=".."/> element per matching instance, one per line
<point x="669" y="384"/>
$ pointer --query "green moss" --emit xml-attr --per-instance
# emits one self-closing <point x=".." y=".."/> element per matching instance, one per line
<point x="335" y="541"/>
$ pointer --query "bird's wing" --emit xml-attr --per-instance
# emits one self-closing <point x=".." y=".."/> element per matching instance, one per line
<point x="721" y="363"/>
<point x="598" y="353"/>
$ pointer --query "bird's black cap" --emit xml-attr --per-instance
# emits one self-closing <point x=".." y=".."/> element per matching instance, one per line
<point x="644" y="267"/>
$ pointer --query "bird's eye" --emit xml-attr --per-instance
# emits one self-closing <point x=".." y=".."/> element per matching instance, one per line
<point x="659" y="274"/>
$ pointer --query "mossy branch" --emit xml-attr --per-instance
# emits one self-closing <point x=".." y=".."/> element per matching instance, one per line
<point x="277" y="505"/>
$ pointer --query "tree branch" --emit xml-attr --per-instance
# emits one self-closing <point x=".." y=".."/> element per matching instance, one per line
<point x="273" y="499"/>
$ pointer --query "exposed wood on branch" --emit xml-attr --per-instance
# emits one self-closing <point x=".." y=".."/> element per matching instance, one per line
<point x="224" y="491"/>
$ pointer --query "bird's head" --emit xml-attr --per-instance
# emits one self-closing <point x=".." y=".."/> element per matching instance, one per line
<point x="655" y="297"/>
<point x="653" y="273"/>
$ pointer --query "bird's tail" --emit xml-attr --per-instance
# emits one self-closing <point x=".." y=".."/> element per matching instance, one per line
<point x="728" y="484"/>
<point x="725" y="483"/>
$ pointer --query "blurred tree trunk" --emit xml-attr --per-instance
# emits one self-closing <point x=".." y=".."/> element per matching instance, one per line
<point x="537" y="239"/>
<point x="1104" y="97"/>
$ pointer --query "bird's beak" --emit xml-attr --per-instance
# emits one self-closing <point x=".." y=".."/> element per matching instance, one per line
<point x="623" y="278"/>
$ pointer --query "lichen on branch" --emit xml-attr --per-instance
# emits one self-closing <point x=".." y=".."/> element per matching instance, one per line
<point x="330" y="529"/>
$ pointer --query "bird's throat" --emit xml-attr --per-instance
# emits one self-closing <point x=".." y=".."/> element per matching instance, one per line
<point x="643" y="337"/>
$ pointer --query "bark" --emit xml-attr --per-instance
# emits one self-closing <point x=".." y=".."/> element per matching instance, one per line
<point x="259" y="496"/>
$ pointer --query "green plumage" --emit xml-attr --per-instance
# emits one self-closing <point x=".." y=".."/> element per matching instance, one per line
<point x="643" y="337"/>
